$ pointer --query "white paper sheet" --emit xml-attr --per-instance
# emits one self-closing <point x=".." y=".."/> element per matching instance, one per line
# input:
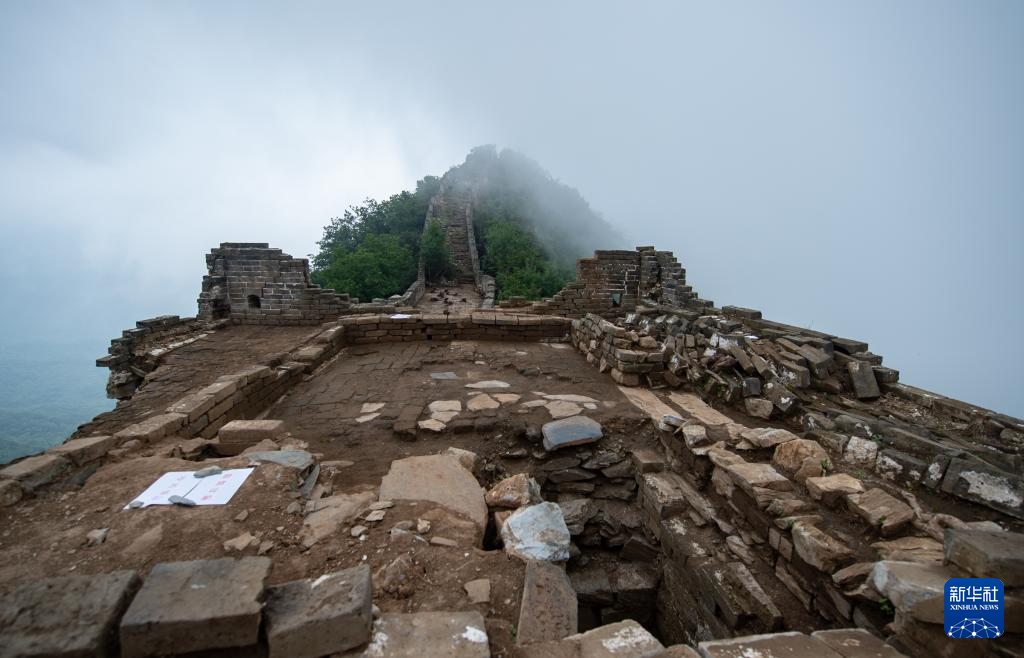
<point x="211" y="490"/>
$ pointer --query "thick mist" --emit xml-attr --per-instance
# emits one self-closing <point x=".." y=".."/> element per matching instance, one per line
<point x="854" y="168"/>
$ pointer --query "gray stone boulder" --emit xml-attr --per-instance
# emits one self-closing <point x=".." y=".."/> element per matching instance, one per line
<point x="573" y="431"/>
<point x="537" y="532"/>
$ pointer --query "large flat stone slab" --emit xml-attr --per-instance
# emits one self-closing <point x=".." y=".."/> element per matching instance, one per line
<point x="624" y="639"/>
<point x="423" y="634"/>
<point x="880" y="510"/>
<point x="196" y="606"/>
<point x="985" y="554"/>
<point x="331" y="513"/>
<point x="573" y="431"/>
<point x="66" y="616"/>
<point x="790" y="645"/>
<point x="320" y="616"/>
<point x="855" y="643"/>
<point x="915" y="589"/>
<point x="441" y="479"/>
<point x="974" y="481"/>
<point x="238" y="435"/>
<point x="36" y="471"/>
<point x="548" y="610"/>
<point x="648" y="402"/>
<point x="84" y="450"/>
<point x="698" y="409"/>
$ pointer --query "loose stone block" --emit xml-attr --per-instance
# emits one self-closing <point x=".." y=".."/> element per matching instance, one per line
<point x="832" y="489"/>
<point x="514" y="492"/>
<point x="82" y="451"/>
<point x="882" y="511"/>
<point x="537" y="532"/>
<point x="915" y="589"/>
<point x="238" y="435"/>
<point x="625" y="639"/>
<point x="986" y="554"/>
<point x="861" y="451"/>
<point x="791" y="645"/>
<point x="10" y="492"/>
<point x="548" y="610"/>
<point x="855" y="643"/>
<point x="984" y="484"/>
<point x="438" y="478"/>
<point x="818" y="548"/>
<point x="865" y="386"/>
<point x="36" y="471"/>
<point x="573" y="431"/>
<point x="319" y="616"/>
<point x="196" y="606"/>
<point x="66" y="616"/>
<point x="152" y="429"/>
<point x="767" y="437"/>
<point x="791" y="455"/>
<point x="421" y="634"/>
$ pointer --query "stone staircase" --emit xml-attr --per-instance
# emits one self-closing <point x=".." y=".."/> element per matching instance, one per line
<point x="452" y="207"/>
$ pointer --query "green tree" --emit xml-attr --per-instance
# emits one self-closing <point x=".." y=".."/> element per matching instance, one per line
<point x="519" y="265"/>
<point x="379" y="266"/>
<point x="354" y="237"/>
<point x="437" y="257"/>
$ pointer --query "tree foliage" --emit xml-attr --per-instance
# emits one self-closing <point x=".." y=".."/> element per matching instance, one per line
<point x="437" y="257"/>
<point x="372" y="250"/>
<point x="529" y="228"/>
<point x="379" y="266"/>
<point x="519" y="265"/>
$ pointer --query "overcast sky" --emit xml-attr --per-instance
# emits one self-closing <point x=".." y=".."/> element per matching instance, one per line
<point x="857" y="168"/>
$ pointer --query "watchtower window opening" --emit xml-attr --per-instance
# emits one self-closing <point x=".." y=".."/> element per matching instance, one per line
<point x="254" y="301"/>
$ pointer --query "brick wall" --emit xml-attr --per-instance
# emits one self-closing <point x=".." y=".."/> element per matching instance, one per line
<point x="251" y="283"/>
<point x="614" y="282"/>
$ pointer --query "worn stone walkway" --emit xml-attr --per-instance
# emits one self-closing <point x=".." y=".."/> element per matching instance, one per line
<point x="452" y="299"/>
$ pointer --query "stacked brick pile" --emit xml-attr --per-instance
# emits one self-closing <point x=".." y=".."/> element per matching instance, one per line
<point x="776" y="371"/>
<point x="628" y="357"/>
<point x="748" y="517"/>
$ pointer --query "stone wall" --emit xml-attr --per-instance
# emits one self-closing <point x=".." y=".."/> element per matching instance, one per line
<point x="613" y="283"/>
<point x="250" y="283"/>
<point x="626" y="356"/>
<point x="480" y="325"/>
<point x="138" y="351"/>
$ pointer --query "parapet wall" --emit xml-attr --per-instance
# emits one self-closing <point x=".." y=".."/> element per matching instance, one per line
<point x="250" y="283"/>
<point x="613" y="283"/>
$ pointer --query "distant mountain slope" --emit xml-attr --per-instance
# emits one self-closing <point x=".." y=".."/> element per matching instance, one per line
<point x="530" y="229"/>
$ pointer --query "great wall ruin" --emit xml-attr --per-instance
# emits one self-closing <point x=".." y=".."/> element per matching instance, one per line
<point x="624" y="469"/>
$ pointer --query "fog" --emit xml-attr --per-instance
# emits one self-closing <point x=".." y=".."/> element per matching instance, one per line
<point x="853" y="168"/>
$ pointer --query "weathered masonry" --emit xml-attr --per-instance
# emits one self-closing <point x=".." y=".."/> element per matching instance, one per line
<point x="775" y="477"/>
<point x="250" y="283"/>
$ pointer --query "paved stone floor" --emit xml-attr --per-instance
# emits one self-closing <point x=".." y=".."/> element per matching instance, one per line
<point x="325" y="410"/>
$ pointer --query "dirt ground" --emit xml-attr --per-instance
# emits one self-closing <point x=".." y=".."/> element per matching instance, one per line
<point x="47" y="535"/>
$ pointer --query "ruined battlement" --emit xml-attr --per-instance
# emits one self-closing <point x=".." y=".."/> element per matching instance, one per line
<point x="623" y="463"/>
<point x="251" y="283"/>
